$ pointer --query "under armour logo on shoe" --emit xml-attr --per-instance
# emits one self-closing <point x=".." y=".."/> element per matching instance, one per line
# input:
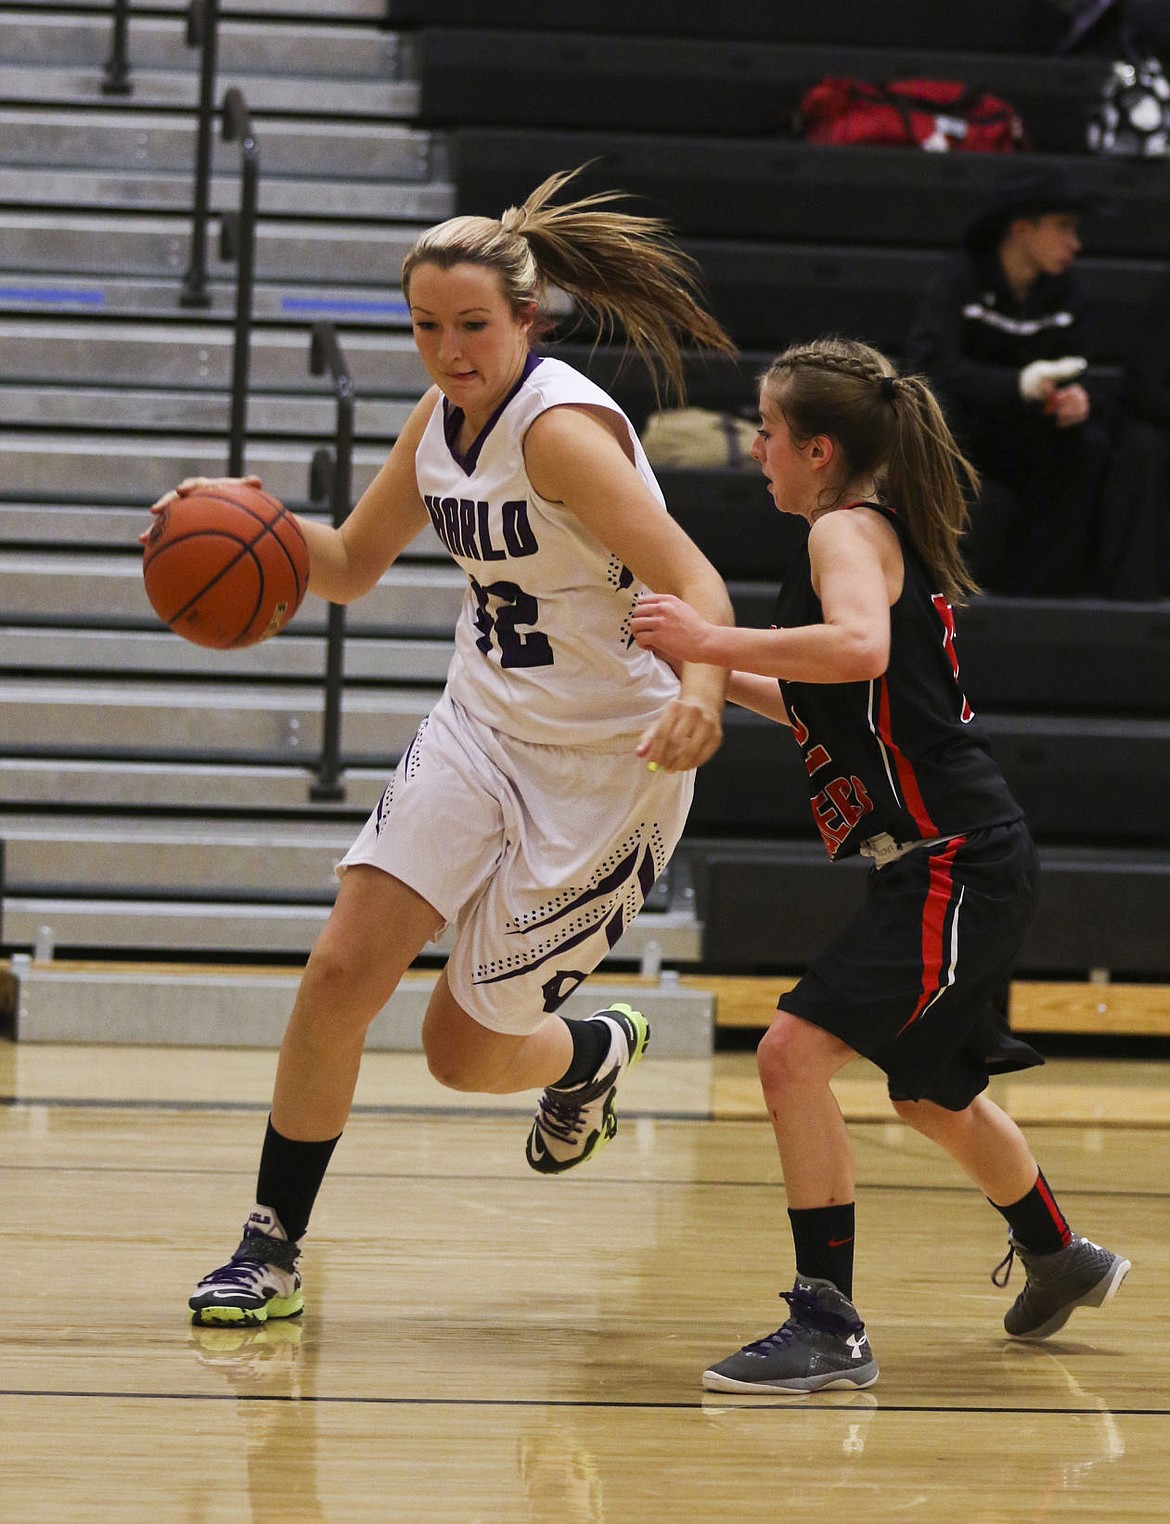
<point x="856" y="1343"/>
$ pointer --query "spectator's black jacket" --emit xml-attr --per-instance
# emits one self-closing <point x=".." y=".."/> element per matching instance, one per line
<point x="972" y="336"/>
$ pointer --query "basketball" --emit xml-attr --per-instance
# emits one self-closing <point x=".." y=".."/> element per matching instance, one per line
<point x="226" y="566"/>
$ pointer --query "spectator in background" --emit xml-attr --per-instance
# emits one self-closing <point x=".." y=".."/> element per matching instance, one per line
<point x="1004" y="333"/>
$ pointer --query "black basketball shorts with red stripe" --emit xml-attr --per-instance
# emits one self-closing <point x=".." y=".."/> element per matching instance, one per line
<point x="918" y="982"/>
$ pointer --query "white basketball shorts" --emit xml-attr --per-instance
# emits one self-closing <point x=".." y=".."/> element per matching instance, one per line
<point x="538" y="856"/>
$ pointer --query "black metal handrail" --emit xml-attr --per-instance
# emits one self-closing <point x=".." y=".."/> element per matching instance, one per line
<point x="330" y="478"/>
<point x="203" y="33"/>
<point x="238" y="242"/>
<point x="116" y="72"/>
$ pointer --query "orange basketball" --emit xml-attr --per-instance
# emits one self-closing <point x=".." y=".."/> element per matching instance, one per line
<point x="226" y="566"/>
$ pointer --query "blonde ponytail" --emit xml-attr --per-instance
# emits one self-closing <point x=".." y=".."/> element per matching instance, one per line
<point x="623" y="271"/>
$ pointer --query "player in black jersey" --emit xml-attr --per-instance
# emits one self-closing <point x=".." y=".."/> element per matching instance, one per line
<point x="861" y="664"/>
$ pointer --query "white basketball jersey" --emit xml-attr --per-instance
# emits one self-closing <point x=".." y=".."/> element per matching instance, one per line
<point x="543" y="649"/>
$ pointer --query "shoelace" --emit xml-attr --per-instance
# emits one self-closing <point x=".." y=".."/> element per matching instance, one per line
<point x="772" y="1341"/>
<point x="241" y="1275"/>
<point x="1005" y="1265"/>
<point x="807" y="1312"/>
<point x="560" y="1115"/>
<point x="256" y="1252"/>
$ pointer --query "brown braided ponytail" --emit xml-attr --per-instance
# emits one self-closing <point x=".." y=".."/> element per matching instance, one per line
<point x="889" y="427"/>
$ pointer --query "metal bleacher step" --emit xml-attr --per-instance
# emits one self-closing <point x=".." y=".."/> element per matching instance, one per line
<point x="134" y="885"/>
<point x="83" y="188"/>
<point x="295" y="657"/>
<point x="138" y="468"/>
<point x="93" y="589"/>
<point x="136" y="858"/>
<point x="161" y="1005"/>
<point x="372" y="11"/>
<point x="281" y="889"/>
<point x="199" y="354"/>
<point x="394" y="100"/>
<point x="182" y="787"/>
<point x="201" y="720"/>
<point x="77" y="527"/>
<point x="290" y="48"/>
<point x="138" y="297"/>
<point x="117" y="871"/>
<point x="92" y="407"/>
<point x="278" y="64"/>
<point x="130" y="243"/>
<point x="118" y="139"/>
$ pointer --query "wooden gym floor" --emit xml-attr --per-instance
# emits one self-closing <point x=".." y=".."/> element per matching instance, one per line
<point x="483" y="1346"/>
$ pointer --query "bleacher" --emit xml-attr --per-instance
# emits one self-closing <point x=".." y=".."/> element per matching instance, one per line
<point x="795" y="240"/>
<point x="159" y="801"/>
<point x="156" y="799"/>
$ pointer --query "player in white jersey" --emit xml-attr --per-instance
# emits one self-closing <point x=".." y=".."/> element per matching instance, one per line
<point x="516" y="546"/>
<point x="546" y="790"/>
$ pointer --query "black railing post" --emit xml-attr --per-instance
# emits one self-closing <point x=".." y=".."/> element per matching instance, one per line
<point x="331" y="477"/>
<point x="240" y="241"/>
<point x="202" y="32"/>
<point x="116" y="74"/>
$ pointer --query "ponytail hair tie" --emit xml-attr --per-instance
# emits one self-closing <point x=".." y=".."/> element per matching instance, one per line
<point x="888" y="388"/>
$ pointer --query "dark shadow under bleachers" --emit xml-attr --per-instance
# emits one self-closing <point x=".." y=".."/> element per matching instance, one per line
<point x="787" y="192"/>
<point x="792" y="239"/>
<point x="1095" y="781"/>
<point x="1009" y="26"/>
<point x="764" y="908"/>
<point x="766" y="293"/>
<point x="574" y="80"/>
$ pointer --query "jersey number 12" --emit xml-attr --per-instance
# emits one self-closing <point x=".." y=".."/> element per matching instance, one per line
<point x="513" y="608"/>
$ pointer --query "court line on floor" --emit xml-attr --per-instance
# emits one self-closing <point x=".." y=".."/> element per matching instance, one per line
<point x="778" y="1404"/>
<point x="413" y="1110"/>
<point x="600" y="1182"/>
<point x="367" y="1109"/>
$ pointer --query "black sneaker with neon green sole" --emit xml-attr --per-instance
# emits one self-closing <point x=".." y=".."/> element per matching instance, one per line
<point x="260" y="1281"/>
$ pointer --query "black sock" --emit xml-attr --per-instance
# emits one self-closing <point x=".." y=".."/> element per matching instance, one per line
<point x="823" y="1237"/>
<point x="590" y="1045"/>
<point x="290" y="1177"/>
<point x="1036" y="1220"/>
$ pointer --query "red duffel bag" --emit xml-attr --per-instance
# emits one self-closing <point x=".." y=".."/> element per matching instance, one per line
<point x="940" y="115"/>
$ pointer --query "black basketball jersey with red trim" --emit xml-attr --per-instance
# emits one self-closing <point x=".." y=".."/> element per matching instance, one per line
<point x="901" y="755"/>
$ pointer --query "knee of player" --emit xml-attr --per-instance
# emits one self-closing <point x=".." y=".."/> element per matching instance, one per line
<point x="795" y="1054"/>
<point x="332" y="988"/>
<point x="451" y="1068"/>
<point x="779" y="1057"/>
<point x="910" y="1112"/>
<point x="932" y="1121"/>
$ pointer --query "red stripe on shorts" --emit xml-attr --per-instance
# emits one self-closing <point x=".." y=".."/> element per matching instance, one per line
<point x="935" y="914"/>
